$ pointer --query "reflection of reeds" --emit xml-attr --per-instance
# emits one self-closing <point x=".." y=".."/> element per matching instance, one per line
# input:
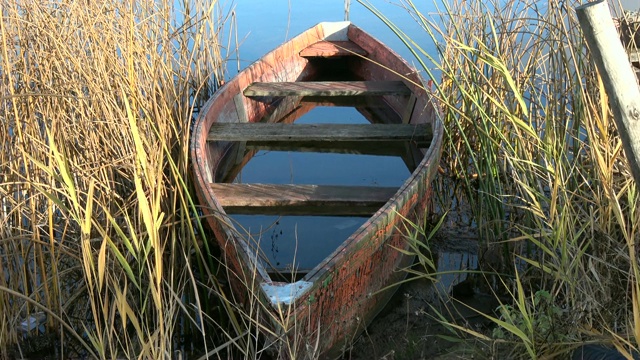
<point x="96" y="217"/>
<point x="532" y="144"/>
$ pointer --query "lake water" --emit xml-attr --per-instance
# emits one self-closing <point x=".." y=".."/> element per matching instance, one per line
<point x="263" y="25"/>
<point x="301" y="242"/>
<point x="306" y="240"/>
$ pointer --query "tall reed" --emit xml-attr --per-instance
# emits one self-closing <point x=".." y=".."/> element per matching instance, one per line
<point x="532" y="144"/>
<point x="98" y="229"/>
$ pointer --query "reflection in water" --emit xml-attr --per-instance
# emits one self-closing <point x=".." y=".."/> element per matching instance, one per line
<point x="299" y="243"/>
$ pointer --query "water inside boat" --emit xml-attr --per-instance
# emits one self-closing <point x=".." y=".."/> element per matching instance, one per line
<point x="291" y="245"/>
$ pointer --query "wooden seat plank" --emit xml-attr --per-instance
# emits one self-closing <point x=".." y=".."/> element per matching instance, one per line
<point x="293" y="199"/>
<point x="327" y="49"/>
<point x="275" y="132"/>
<point x="327" y="88"/>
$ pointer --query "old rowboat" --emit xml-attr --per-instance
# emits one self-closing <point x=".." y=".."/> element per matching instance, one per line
<point x="329" y="64"/>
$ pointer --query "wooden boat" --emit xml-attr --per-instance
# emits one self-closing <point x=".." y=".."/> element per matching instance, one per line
<point x="329" y="64"/>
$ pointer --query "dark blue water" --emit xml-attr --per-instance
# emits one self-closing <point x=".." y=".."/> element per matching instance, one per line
<point x="301" y="242"/>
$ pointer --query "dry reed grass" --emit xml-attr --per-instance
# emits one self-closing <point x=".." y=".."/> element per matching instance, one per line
<point x="97" y="225"/>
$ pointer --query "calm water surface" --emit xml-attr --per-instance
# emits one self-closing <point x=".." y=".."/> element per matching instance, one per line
<point x="301" y="242"/>
<point x="306" y="240"/>
<point x="263" y="25"/>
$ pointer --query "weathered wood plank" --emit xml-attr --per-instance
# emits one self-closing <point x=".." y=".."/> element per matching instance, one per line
<point x="327" y="88"/>
<point x="270" y="132"/>
<point x="296" y="199"/>
<point x="333" y="49"/>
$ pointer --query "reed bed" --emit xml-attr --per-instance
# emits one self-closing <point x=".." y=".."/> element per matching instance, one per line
<point x="98" y="229"/>
<point x="533" y="151"/>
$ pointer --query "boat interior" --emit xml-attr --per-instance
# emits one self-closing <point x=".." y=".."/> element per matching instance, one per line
<point x="334" y="75"/>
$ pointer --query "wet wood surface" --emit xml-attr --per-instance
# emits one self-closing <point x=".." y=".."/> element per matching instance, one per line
<point x="333" y="49"/>
<point x="327" y="88"/>
<point x="293" y="199"/>
<point x="268" y="132"/>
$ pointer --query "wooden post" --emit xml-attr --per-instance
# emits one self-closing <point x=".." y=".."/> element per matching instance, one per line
<point x="619" y="78"/>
